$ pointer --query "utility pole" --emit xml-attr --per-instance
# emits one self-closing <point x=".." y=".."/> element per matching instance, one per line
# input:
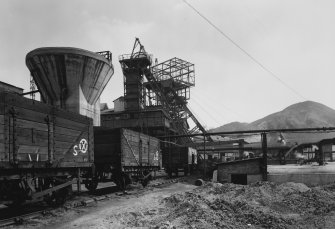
<point x="204" y="156"/>
<point x="265" y="157"/>
<point x="32" y="87"/>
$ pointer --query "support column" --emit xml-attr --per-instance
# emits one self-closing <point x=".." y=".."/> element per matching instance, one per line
<point x="204" y="156"/>
<point x="240" y="148"/>
<point x="322" y="155"/>
<point x="264" y="166"/>
<point x="78" y="181"/>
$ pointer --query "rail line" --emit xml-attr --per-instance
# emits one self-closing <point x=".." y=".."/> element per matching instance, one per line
<point x="12" y="216"/>
<point x="21" y="218"/>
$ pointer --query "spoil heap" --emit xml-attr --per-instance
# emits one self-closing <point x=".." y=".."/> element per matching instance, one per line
<point x="260" y="205"/>
<point x="214" y="205"/>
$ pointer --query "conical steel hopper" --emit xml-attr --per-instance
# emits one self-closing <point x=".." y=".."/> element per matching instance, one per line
<point x="71" y="78"/>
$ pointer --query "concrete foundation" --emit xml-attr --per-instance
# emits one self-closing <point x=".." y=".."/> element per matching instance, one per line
<point x="310" y="179"/>
<point x="311" y="174"/>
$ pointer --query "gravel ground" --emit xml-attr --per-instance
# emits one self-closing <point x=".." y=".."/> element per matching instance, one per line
<point x="213" y="205"/>
<point x="260" y="205"/>
<point x="117" y="212"/>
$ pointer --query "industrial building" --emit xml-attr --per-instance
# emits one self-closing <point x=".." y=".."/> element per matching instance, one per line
<point x="155" y="102"/>
<point x="11" y="88"/>
<point x="241" y="171"/>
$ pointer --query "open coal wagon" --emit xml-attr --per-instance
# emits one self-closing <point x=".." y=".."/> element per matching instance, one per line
<point x="122" y="154"/>
<point x="43" y="150"/>
<point x="179" y="159"/>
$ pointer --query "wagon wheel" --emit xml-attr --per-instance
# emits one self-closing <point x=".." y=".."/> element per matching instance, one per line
<point x="92" y="185"/>
<point x="169" y="172"/>
<point x="146" y="178"/>
<point x="122" y="181"/>
<point x="57" y="197"/>
<point x="186" y="170"/>
<point x="18" y="195"/>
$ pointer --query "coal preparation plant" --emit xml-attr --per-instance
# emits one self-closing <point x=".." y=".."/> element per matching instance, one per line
<point x="71" y="78"/>
<point x="49" y="145"/>
<point x="66" y="138"/>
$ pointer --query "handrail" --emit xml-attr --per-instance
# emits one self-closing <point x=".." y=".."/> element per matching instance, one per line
<point x="106" y="54"/>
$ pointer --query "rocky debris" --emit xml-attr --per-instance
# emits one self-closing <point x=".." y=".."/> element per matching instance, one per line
<point x="259" y="205"/>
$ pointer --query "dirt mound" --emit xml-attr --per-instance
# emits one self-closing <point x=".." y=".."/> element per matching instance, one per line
<point x="260" y="205"/>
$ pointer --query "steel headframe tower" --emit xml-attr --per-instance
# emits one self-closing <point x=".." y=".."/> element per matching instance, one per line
<point x="175" y="77"/>
<point x="167" y="85"/>
<point x="32" y="87"/>
<point x="133" y="66"/>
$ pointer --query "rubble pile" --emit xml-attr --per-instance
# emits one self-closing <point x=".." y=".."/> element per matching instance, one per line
<point x="260" y="205"/>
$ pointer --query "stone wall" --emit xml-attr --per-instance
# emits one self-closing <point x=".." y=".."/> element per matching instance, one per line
<point x="250" y="167"/>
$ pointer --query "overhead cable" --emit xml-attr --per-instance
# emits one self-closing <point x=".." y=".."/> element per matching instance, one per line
<point x="244" y="51"/>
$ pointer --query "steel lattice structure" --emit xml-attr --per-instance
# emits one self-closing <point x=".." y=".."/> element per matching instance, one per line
<point x="166" y="85"/>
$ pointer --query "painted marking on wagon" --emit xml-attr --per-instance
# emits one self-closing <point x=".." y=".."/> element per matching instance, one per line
<point x="156" y="156"/>
<point x="82" y="147"/>
<point x="30" y="157"/>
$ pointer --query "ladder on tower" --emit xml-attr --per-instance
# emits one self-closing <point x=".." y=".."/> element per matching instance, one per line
<point x="169" y="100"/>
<point x="154" y="83"/>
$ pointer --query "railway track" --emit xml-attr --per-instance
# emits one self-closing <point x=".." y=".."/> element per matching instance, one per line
<point x="19" y="219"/>
<point x="11" y="216"/>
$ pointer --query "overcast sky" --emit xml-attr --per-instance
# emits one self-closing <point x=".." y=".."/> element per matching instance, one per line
<point x="295" y="39"/>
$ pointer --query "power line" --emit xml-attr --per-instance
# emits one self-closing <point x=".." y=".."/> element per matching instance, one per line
<point x="219" y="102"/>
<point x="244" y="51"/>
<point x="208" y="113"/>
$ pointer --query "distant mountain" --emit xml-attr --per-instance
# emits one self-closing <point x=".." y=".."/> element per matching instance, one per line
<point x="233" y="126"/>
<point x="306" y="114"/>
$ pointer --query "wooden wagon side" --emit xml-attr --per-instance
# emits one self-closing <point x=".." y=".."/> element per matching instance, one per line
<point x="40" y="144"/>
<point x="120" y="152"/>
<point x="177" y="159"/>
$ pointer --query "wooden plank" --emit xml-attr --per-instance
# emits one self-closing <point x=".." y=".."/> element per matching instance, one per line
<point x="2" y="102"/>
<point x="91" y="142"/>
<point x="129" y="154"/>
<point x="30" y="115"/>
<point x="64" y="138"/>
<point x="2" y="138"/>
<point x="2" y="152"/>
<point x="149" y="148"/>
<point x="22" y="102"/>
<point x="22" y="123"/>
<point x="33" y="156"/>
<point x="2" y="119"/>
<point x="37" y="165"/>
<point x="36" y="112"/>
<point x="31" y="137"/>
<point x="2" y="129"/>
<point x="71" y="141"/>
<point x="70" y="124"/>
<point x="66" y="131"/>
<point x="71" y="116"/>
<point x="64" y="155"/>
<point x="29" y="153"/>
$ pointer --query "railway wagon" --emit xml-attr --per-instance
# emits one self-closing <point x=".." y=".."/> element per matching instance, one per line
<point x="122" y="154"/>
<point x="178" y="158"/>
<point x="42" y="149"/>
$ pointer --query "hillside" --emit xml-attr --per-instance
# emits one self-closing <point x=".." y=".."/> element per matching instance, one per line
<point x="306" y="114"/>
